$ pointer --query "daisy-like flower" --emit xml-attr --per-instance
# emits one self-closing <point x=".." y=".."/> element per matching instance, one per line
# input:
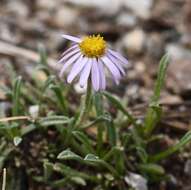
<point x="88" y="58"/>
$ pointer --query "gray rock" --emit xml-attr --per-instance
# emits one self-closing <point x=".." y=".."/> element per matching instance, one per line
<point x="5" y="107"/>
<point x="126" y="20"/>
<point x="108" y="7"/>
<point x="54" y="41"/>
<point x="46" y="4"/>
<point x="7" y="34"/>
<point x="187" y="167"/>
<point x="178" y="76"/>
<point x="65" y="16"/>
<point x="18" y="8"/>
<point x="155" y="45"/>
<point x="134" y="41"/>
<point x="177" y="52"/>
<point x="186" y="40"/>
<point x="136" y="181"/>
<point x="142" y="8"/>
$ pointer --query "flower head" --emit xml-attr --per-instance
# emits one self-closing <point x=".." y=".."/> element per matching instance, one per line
<point x="88" y="58"/>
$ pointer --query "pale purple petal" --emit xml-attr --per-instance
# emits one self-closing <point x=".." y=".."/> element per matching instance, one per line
<point x="118" y="56"/>
<point x="85" y="73"/>
<point x="77" y="67"/>
<point x="116" y="62"/>
<point x="69" y="62"/>
<point x="112" y="68"/>
<point x="70" y="54"/>
<point x="72" y="38"/>
<point x="102" y="75"/>
<point x="95" y="75"/>
<point x="69" y="50"/>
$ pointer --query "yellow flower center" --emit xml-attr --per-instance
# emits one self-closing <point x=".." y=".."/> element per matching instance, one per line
<point x="93" y="46"/>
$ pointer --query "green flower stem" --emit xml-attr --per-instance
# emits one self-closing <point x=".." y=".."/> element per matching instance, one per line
<point x="110" y="168"/>
<point x="115" y="150"/>
<point x="100" y="129"/>
<point x="85" y="105"/>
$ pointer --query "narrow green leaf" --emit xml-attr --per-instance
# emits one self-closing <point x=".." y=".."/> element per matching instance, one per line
<point x="116" y="102"/>
<point x="69" y="172"/>
<point x="61" y="100"/>
<point x="164" y="62"/>
<point x="27" y="129"/>
<point x="6" y="90"/>
<point x="4" y="154"/>
<point x="120" y="163"/>
<point x="43" y="63"/>
<point x="98" y="103"/>
<point x="162" y="155"/>
<point x="92" y="158"/>
<point x="50" y="80"/>
<point x="60" y="183"/>
<point x="152" y="168"/>
<point x="79" y="180"/>
<point x="84" y="140"/>
<point x="126" y="139"/>
<point x="111" y="133"/>
<point x="68" y="155"/>
<point x="99" y="119"/>
<point x="95" y="159"/>
<point x="48" y="169"/>
<point x="142" y="154"/>
<point x="136" y="130"/>
<point x="114" y="151"/>
<point x="16" y="96"/>
<point x="154" y="111"/>
<point x="54" y="120"/>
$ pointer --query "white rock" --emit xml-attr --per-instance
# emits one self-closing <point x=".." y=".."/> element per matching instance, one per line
<point x="187" y="167"/>
<point x="141" y="8"/>
<point x="46" y="4"/>
<point x="134" y="41"/>
<point x="18" y="8"/>
<point x="136" y="181"/>
<point x="178" y="52"/>
<point x="106" y="6"/>
<point x="34" y="111"/>
<point x="79" y="89"/>
<point x="66" y="16"/>
<point x="125" y="19"/>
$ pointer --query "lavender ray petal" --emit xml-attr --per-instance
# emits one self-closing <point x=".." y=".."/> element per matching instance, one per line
<point x="102" y="75"/>
<point x="95" y="75"/>
<point x="72" y="53"/>
<point x="116" y="62"/>
<point x="69" y="50"/>
<point x="118" y="56"/>
<point x="69" y="62"/>
<point x="72" y="38"/>
<point x="77" y="67"/>
<point x="85" y="73"/>
<point x="112" y="68"/>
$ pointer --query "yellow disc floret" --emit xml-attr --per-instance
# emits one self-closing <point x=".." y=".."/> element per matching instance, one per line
<point x="93" y="46"/>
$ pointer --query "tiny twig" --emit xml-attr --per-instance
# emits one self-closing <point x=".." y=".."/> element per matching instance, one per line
<point x="4" y="179"/>
<point x="15" y="118"/>
<point x="12" y="50"/>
